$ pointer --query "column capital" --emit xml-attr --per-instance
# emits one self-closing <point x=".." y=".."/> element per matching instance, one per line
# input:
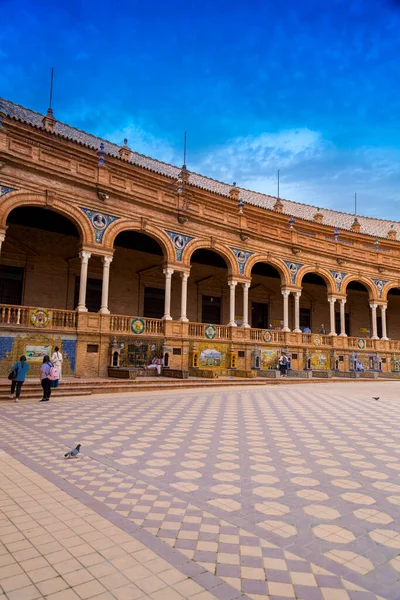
<point x="107" y="260"/>
<point x="184" y="275"/>
<point x="2" y="238"/>
<point x="246" y="285"/>
<point x="332" y="299"/>
<point x="285" y="293"/>
<point x="342" y="300"/>
<point x="297" y="294"/>
<point x="168" y="272"/>
<point x="373" y="305"/>
<point x="85" y="255"/>
<point x="383" y="306"/>
<point x="232" y="283"/>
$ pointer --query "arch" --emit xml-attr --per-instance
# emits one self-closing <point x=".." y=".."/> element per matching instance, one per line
<point x="274" y="262"/>
<point x="323" y="273"/>
<point x="136" y="225"/>
<point x="220" y="249"/>
<point x="372" y="292"/>
<point x="19" y="199"/>
<point x="390" y="285"/>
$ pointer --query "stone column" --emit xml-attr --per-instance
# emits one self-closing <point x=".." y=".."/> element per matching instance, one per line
<point x="167" y="306"/>
<point x="342" y="302"/>
<point x="84" y="256"/>
<point x="332" y="315"/>
<point x="2" y="238"/>
<point x="107" y="260"/>
<point x="285" y="294"/>
<point x="232" y="290"/>
<point x="183" y="316"/>
<point x="373" y="308"/>
<point x="297" y="312"/>
<point x="246" y="287"/>
<point x="383" y="314"/>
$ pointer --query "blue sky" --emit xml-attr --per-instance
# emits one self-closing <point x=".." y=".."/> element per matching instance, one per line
<point x="311" y="88"/>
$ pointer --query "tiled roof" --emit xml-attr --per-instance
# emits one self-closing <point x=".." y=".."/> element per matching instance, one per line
<point x="369" y="225"/>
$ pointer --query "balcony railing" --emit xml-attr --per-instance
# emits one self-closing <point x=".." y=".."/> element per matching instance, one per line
<point x="122" y="324"/>
<point x="31" y="316"/>
<point x="218" y="332"/>
<point x="258" y="335"/>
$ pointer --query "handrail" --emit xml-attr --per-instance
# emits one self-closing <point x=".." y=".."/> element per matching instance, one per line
<point x="32" y="316"/>
<point x="124" y="324"/>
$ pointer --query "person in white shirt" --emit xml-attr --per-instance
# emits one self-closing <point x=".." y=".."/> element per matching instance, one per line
<point x="156" y="363"/>
<point x="57" y="360"/>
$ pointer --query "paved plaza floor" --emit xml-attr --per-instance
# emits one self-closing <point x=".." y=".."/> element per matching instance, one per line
<point x="254" y="493"/>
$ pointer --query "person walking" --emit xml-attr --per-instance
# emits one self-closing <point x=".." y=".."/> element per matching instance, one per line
<point x="57" y="360"/>
<point x="44" y="378"/>
<point x="20" y="369"/>
<point x="283" y="364"/>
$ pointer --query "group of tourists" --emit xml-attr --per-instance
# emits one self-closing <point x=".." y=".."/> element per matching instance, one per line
<point x="50" y="374"/>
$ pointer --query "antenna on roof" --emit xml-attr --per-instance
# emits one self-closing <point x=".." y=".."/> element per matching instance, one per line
<point x="278" y="183"/>
<point x="355" y="203"/>
<point x="51" y="87"/>
<point x="184" y="149"/>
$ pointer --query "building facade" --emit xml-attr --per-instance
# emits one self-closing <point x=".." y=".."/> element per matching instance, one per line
<point x="118" y="258"/>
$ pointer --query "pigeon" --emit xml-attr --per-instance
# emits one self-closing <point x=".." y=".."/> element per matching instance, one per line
<point x="73" y="453"/>
<point x="375" y="398"/>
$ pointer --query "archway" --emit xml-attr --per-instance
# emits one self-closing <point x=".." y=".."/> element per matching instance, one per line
<point x="39" y="259"/>
<point x="358" y="313"/>
<point x="208" y="300"/>
<point x="314" y="307"/>
<point x="265" y="297"/>
<point x="137" y="281"/>
<point x="393" y="312"/>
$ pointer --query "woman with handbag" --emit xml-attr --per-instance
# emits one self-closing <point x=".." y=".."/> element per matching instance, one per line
<point x="17" y="376"/>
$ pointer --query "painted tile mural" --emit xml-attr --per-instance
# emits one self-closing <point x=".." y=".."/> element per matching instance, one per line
<point x="34" y="346"/>
<point x="213" y="356"/>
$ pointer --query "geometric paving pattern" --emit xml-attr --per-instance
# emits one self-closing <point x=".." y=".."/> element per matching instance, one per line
<point x="279" y="493"/>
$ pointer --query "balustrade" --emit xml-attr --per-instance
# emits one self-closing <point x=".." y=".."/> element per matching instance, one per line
<point x="123" y="324"/>
<point x="25" y="315"/>
<point x="222" y="332"/>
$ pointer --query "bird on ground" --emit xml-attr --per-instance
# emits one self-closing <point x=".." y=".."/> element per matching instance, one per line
<point x="375" y="398"/>
<point x="73" y="453"/>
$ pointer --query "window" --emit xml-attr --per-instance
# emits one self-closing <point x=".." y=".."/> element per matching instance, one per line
<point x="93" y="294"/>
<point x="241" y="354"/>
<point x="154" y="299"/>
<point x="11" y="284"/>
<point x="305" y="318"/>
<point x="211" y="309"/>
<point x="259" y="315"/>
<point x="176" y="351"/>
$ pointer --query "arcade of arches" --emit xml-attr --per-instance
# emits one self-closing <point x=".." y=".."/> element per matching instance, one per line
<point x="118" y="258"/>
<point x="45" y="264"/>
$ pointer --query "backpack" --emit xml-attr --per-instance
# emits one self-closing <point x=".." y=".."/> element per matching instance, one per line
<point x="53" y="374"/>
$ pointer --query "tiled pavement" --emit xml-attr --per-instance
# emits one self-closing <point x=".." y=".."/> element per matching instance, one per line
<point x="259" y="493"/>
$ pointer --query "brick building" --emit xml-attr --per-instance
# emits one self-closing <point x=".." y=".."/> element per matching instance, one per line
<point x="117" y="257"/>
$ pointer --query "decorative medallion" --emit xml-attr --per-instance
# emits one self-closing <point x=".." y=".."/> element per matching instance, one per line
<point x="242" y="257"/>
<point x="293" y="269"/>
<point x="5" y="190"/>
<point x="379" y="284"/>
<point x="267" y="336"/>
<point x="338" y="277"/>
<point x="100" y="222"/>
<point x="361" y="343"/>
<point x="180" y="241"/>
<point x="317" y="340"/>
<point x="40" y="317"/>
<point x="210" y="331"/>
<point x="138" y="326"/>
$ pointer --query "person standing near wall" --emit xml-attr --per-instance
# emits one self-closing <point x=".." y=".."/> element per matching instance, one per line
<point x="283" y="362"/>
<point x="57" y="360"/>
<point x="20" y="369"/>
<point x="44" y="378"/>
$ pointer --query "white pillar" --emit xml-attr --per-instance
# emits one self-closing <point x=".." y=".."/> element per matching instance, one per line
<point x="2" y="238"/>
<point x="107" y="260"/>
<point x="383" y="314"/>
<point x="285" y="294"/>
<point x="342" y="303"/>
<point x="232" y="291"/>
<point x="84" y="256"/>
<point x="183" y="316"/>
<point x="373" y="308"/>
<point x="332" y="315"/>
<point x="167" y="306"/>
<point x="246" y="287"/>
<point x="297" y="312"/>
